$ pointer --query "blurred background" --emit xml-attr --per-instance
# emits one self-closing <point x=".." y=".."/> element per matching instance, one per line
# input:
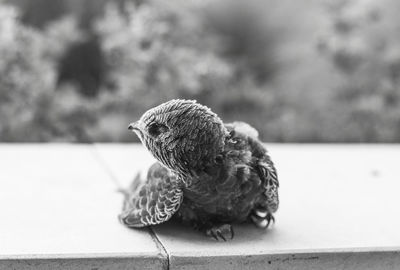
<point x="298" y="71"/>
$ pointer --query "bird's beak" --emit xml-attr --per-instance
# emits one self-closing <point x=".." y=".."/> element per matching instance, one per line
<point x="134" y="126"/>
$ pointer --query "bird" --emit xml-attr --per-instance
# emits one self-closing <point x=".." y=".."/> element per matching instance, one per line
<point x="208" y="175"/>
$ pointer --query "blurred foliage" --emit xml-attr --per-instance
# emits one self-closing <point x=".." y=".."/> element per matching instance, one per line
<point x="154" y="54"/>
<point x="364" y="47"/>
<point x="30" y="108"/>
<point x="25" y="75"/>
<point x="330" y="73"/>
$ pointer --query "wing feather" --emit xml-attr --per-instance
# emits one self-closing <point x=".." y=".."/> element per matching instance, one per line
<point x="153" y="202"/>
<point x="262" y="163"/>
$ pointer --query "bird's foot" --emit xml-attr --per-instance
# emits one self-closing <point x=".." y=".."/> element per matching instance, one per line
<point x="270" y="218"/>
<point x="221" y="232"/>
<point x="263" y="221"/>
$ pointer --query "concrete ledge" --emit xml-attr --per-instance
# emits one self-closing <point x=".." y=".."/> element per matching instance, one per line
<point x="89" y="262"/>
<point x="58" y="205"/>
<point x="339" y="210"/>
<point x="329" y="260"/>
<point x="59" y="210"/>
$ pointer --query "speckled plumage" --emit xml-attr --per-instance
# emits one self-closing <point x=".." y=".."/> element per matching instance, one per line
<point x="212" y="174"/>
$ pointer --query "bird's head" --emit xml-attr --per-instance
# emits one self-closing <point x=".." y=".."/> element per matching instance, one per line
<point x="183" y="135"/>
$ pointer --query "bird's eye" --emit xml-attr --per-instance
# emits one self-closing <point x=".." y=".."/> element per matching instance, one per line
<point x="156" y="129"/>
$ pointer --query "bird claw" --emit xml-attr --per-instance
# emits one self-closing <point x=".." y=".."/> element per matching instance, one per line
<point x="270" y="217"/>
<point x="224" y="232"/>
<point x="263" y="222"/>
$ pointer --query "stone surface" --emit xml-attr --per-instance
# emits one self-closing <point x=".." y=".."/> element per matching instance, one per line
<point x="58" y="209"/>
<point x="339" y="210"/>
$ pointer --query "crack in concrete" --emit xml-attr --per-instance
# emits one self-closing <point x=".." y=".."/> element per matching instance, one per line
<point x="104" y="166"/>
<point x="107" y="169"/>
<point x="160" y="246"/>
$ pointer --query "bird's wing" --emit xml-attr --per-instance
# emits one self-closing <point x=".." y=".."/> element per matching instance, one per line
<point x="262" y="163"/>
<point x="152" y="202"/>
<point x="269" y="176"/>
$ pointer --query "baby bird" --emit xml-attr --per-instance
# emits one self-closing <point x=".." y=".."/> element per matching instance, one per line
<point x="209" y="175"/>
